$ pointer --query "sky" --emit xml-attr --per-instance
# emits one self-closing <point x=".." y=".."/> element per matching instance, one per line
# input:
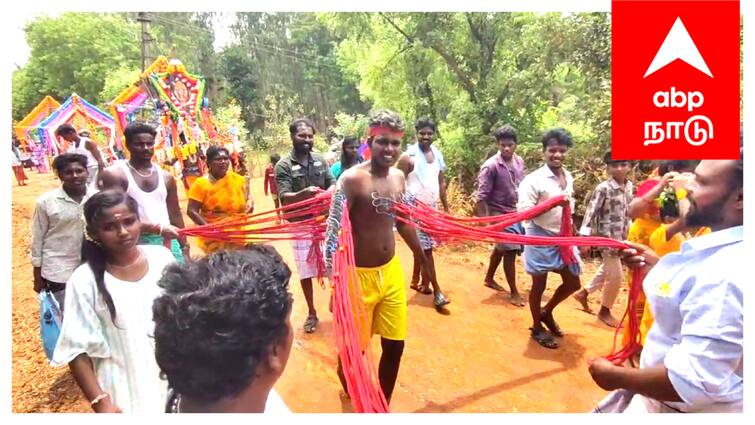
<point x="20" y="49"/>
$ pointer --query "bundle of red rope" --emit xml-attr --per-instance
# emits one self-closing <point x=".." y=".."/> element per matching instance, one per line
<point x="348" y="309"/>
<point x="349" y="318"/>
<point x="268" y="226"/>
<point x="629" y="319"/>
<point x="444" y="227"/>
<point x="262" y="227"/>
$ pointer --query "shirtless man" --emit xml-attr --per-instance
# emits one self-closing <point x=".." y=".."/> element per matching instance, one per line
<point x="378" y="268"/>
<point x="153" y="189"/>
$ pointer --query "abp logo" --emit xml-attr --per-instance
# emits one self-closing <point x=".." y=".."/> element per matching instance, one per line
<point x="676" y="80"/>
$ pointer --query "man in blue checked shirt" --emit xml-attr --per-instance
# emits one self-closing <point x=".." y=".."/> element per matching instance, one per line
<point x="692" y="360"/>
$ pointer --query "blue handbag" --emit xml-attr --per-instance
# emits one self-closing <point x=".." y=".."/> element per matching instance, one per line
<point x="50" y="320"/>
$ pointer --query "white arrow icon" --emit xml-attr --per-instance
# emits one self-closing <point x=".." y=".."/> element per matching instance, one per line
<point x="678" y="45"/>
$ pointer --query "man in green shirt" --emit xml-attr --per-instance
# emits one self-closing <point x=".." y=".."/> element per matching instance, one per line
<point x="299" y="176"/>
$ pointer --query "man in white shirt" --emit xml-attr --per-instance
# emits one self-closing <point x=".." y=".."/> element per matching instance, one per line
<point x="692" y="360"/>
<point x="57" y="228"/>
<point x="547" y="182"/>
<point x="153" y="188"/>
<point x="423" y="167"/>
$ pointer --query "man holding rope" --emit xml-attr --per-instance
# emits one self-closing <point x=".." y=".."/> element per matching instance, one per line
<point x="549" y="181"/>
<point x="300" y="176"/>
<point x="692" y="360"/>
<point x="423" y="167"/>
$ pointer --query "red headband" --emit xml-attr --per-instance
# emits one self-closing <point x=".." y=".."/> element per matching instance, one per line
<point x="375" y="131"/>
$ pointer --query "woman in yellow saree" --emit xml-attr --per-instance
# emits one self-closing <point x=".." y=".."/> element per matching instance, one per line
<point x="219" y="195"/>
<point x="645" y="212"/>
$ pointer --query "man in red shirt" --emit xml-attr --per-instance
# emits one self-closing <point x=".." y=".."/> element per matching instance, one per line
<point x="270" y="181"/>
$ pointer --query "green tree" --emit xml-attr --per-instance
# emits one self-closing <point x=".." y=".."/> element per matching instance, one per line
<point x="291" y="59"/>
<point x="350" y="125"/>
<point x="229" y="116"/>
<point x="73" y="53"/>
<point x="117" y="80"/>
<point x="475" y="71"/>
<point x="23" y="94"/>
<point x="242" y="77"/>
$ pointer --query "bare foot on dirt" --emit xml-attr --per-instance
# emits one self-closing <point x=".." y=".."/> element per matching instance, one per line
<point x="492" y="284"/>
<point x="516" y="300"/>
<point x="581" y="296"/>
<point x="608" y="319"/>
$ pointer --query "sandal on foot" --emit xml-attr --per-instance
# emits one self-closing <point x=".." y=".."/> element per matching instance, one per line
<point x="543" y="338"/>
<point x="310" y="324"/>
<point x="551" y="324"/>
<point x="494" y="285"/>
<point x="422" y="289"/>
<point x="440" y="300"/>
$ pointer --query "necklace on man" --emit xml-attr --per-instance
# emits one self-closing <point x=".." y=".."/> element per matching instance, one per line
<point x="151" y="170"/>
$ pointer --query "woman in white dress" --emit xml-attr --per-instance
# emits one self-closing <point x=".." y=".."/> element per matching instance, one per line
<point x="223" y="331"/>
<point x="106" y="336"/>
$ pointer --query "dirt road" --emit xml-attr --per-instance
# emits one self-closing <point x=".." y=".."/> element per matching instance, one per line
<point x="477" y="358"/>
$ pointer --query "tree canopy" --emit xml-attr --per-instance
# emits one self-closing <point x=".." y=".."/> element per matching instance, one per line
<point x="73" y="53"/>
<point x="471" y="72"/>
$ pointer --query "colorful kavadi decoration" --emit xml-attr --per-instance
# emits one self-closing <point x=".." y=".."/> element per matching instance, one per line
<point x="26" y="129"/>
<point x="177" y="100"/>
<point x="79" y="113"/>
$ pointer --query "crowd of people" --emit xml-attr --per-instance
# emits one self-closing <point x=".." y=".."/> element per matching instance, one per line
<point x="135" y="300"/>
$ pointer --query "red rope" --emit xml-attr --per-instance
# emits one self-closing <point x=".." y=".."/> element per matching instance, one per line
<point x="304" y="220"/>
<point x="262" y="227"/>
<point x="348" y="308"/>
<point x="444" y="227"/>
<point x="633" y="346"/>
<point x="349" y="317"/>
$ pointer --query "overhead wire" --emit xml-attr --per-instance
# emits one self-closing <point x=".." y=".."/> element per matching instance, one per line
<point x="310" y="58"/>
